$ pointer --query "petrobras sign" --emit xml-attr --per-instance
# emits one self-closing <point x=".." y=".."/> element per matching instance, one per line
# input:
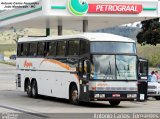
<point x="115" y="8"/>
<point x="78" y="7"/>
<point x="82" y="7"/>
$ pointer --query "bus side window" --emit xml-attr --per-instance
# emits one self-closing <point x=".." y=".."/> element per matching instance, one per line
<point x="33" y="49"/>
<point x="52" y="48"/>
<point x="82" y="67"/>
<point x="19" y="49"/>
<point x="41" y="46"/>
<point x="73" y="46"/>
<point x="61" y="48"/>
<point x="84" y="47"/>
<point x="46" y="49"/>
<point x="25" y="49"/>
<point x="21" y="53"/>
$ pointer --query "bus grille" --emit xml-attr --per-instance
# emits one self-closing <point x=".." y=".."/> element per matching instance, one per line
<point x="151" y="92"/>
<point x="152" y="87"/>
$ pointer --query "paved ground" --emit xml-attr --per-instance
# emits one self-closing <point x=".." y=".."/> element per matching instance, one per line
<point x="12" y="101"/>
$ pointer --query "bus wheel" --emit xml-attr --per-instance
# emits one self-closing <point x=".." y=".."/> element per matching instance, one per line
<point x="74" y="95"/>
<point x="34" y="89"/>
<point x="29" y="93"/>
<point x="114" y="103"/>
<point x="157" y="98"/>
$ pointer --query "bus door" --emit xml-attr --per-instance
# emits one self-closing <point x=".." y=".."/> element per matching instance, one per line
<point x="142" y="79"/>
<point x="84" y="75"/>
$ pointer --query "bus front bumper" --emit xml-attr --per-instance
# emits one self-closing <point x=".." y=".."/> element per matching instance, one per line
<point x="107" y="96"/>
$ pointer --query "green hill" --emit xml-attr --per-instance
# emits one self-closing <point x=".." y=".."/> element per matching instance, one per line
<point x="125" y="31"/>
<point x="152" y="53"/>
<point x="9" y="36"/>
<point x="8" y="45"/>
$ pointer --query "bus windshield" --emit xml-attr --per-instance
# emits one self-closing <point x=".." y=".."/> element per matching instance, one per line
<point x="114" y="67"/>
<point x="113" y="47"/>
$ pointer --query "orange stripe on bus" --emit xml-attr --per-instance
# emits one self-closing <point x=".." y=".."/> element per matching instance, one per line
<point x="60" y="64"/>
<point x="57" y="62"/>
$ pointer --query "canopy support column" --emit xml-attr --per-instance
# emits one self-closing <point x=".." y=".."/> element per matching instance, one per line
<point x="47" y="27"/>
<point x="59" y="30"/>
<point x="47" y="31"/>
<point x="85" y="25"/>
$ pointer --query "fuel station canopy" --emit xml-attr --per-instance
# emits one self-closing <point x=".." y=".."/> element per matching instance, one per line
<point x="71" y="13"/>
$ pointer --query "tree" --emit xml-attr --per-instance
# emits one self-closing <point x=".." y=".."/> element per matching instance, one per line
<point x="150" y="32"/>
<point x="13" y="34"/>
<point x="17" y="33"/>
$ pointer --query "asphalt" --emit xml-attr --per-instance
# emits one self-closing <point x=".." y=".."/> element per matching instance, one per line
<point x="15" y="102"/>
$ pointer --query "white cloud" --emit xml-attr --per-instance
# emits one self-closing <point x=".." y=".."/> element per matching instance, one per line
<point x="135" y="24"/>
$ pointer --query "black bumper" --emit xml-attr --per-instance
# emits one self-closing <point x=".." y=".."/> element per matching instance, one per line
<point x="117" y="96"/>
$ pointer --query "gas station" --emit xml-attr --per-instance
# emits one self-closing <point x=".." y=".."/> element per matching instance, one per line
<point x="81" y="15"/>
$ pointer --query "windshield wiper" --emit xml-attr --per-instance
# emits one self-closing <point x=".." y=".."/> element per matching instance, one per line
<point x="119" y="73"/>
<point x="117" y="70"/>
<point x="110" y="67"/>
<point x="108" y="71"/>
<point x="128" y="68"/>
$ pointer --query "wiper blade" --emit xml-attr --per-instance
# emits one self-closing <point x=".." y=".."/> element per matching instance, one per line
<point x="110" y="67"/>
<point x="117" y="70"/>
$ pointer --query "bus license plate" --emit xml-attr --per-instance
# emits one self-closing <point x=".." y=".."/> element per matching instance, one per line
<point x="116" y="95"/>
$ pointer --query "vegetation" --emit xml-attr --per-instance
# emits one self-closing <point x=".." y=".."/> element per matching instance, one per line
<point x="152" y="53"/>
<point x="9" y="63"/>
<point x="125" y="31"/>
<point x="7" y="49"/>
<point x="150" y="32"/>
<point x="12" y="35"/>
<point x="150" y="35"/>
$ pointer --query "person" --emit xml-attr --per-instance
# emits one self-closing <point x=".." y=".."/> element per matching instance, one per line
<point x="153" y="78"/>
<point x="157" y="75"/>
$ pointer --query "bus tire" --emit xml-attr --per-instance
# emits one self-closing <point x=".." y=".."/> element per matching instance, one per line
<point x="114" y="103"/>
<point x="157" y="98"/>
<point x="34" y="89"/>
<point x="73" y="97"/>
<point x="28" y="89"/>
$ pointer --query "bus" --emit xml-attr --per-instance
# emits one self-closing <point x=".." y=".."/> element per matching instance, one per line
<point x="84" y="67"/>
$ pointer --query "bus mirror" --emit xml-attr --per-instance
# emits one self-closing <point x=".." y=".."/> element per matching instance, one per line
<point x="77" y="69"/>
<point x="139" y="76"/>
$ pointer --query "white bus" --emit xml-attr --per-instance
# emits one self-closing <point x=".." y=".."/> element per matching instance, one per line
<point x="85" y="67"/>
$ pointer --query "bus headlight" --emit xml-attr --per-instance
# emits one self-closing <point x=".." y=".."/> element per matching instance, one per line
<point x="131" y="95"/>
<point x="134" y="95"/>
<point x="102" y="95"/>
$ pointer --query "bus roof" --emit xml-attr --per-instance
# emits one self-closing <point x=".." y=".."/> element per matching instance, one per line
<point x="88" y="36"/>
